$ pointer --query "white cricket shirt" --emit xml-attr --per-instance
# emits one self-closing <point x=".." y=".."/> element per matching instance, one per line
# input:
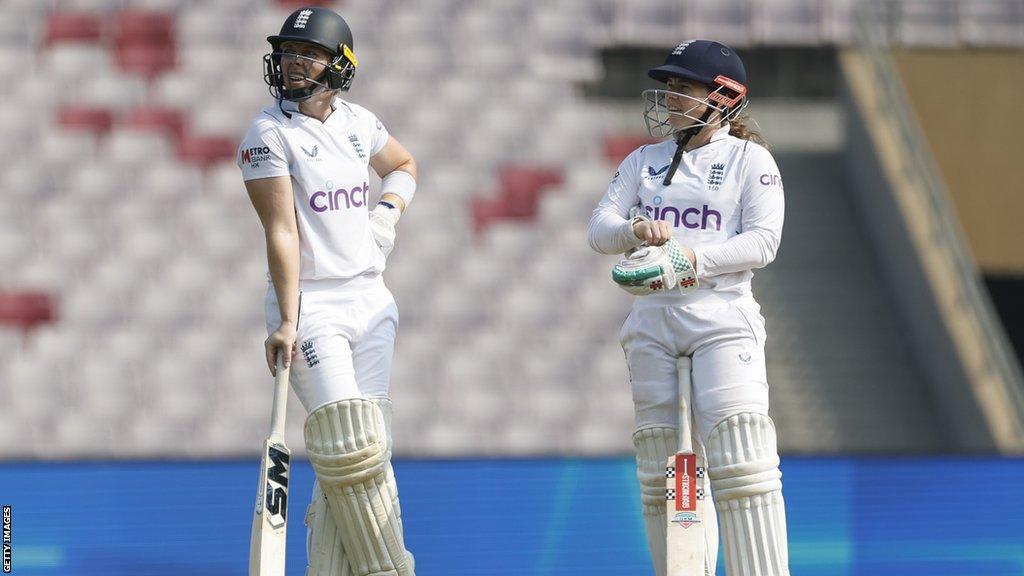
<point x="328" y="163"/>
<point x="725" y="202"/>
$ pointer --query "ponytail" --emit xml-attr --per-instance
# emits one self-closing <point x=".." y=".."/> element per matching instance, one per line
<point x="739" y="129"/>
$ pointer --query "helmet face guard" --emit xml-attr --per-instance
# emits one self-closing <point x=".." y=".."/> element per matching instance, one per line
<point x="338" y="74"/>
<point x="726" y="100"/>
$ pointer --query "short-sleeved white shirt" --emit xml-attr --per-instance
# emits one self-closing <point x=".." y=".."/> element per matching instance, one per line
<point x="328" y="163"/>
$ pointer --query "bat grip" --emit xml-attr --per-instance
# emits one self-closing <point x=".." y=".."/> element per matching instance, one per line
<point x="280" y="400"/>
<point x="684" y="366"/>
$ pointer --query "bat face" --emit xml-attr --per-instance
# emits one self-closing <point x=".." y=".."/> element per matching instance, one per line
<point x="272" y="501"/>
<point x="685" y="527"/>
<point x="270" y="520"/>
<point x="686" y="491"/>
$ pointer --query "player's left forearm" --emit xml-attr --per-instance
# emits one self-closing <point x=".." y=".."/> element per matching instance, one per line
<point x="747" y="251"/>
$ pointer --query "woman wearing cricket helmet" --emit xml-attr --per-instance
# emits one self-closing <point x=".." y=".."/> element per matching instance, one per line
<point x="305" y="161"/>
<point x="709" y="204"/>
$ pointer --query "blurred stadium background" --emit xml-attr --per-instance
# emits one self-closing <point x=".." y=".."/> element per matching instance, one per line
<point x="133" y="393"/>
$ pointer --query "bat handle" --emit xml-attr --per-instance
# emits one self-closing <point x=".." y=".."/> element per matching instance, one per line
<point x="280" y="400"/>
<point x="684" y="367"/>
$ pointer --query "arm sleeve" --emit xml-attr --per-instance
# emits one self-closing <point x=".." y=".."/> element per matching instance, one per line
<point x="610" y="230"/>
<point x="262" y="154"/>
<point x="763" y="209"/>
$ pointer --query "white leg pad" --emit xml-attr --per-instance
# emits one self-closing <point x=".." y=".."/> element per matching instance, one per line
<point x="324" y="548"/>
<point x="653" y="447"/>
<point x="347" y="444"/>
<point x="743" y="463"/>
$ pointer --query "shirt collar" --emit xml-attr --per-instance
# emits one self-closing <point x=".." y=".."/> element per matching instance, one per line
<point x="293" y="107"/>
<point x="721" y="132"/>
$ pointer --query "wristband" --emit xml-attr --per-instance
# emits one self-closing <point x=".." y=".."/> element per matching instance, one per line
<point x="399" y="183"/>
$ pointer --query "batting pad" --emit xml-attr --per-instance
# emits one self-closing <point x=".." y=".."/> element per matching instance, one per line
<point x="743" y="463"/>
<point x="653" y="447"/>
<point x="324" y="548"/>
<point x="348" y="447"/>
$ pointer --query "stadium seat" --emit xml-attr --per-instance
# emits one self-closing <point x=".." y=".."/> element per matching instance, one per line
<point x="90" y="118"/>
<point x="161" y="118"/>
<point x="177" y="89"/>
<point x="204" y="25"/>
<point x="144" y="42"/>
<point x="146" y="60"/>
<point x="69" y="149"/>
<point x="27" y="310"/>
<point x="521" y="187"/>
<point x="73" y="62"/>
<point x="116" y="91"/>
<point x="128" y="147"/>
<point x="19" y="28"/>
<point x="206" y="150"/>
<point x="138" y="27"/>
<point x="73" y="27"/>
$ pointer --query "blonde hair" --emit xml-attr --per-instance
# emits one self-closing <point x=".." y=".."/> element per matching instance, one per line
<point x="739" y="129"/>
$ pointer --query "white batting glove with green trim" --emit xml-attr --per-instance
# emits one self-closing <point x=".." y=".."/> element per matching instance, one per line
<point x="653" y="269"/>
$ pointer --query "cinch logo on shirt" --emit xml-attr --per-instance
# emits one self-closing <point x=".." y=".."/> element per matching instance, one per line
<point x="691" y="218"/>
<point x="339" y="199"/>
<point x="771" y="180"/>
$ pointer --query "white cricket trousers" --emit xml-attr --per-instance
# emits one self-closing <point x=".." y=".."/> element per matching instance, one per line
<point x="345" y="339"/>
<point x="724" y="338"/>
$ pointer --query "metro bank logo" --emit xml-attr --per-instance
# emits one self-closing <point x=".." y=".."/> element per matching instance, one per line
<point x="253" y="156"/>
<point x="691" y="218"/>
<point x="340" y="199"/>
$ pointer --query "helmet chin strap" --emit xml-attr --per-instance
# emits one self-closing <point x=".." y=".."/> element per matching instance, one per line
<point x="683" y="138"/>
<point x="302" y="94"/>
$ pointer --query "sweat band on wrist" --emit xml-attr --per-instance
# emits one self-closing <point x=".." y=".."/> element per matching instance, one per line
<point x="399" y="183"/>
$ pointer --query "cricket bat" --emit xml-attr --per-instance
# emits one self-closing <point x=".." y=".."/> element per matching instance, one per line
<point x="684" y="477"/>
<point x="270" y="520"/>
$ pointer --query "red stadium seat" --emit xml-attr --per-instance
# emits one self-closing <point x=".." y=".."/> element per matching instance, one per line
<point x="205" y="150"/>
<point x="140" y="27"/>
<point x="522" y="186"/>
<point x="145" y="42"/>
<point x="616" y="148"/>
<point x="169" y="120"/>
<point x="521" y="189"/>
<point x="27" y="309"/>
<point x="146" y="59"/>
<point x="73" y="27"/>
<point x="485" y="211"/>
<point x="95" y="119"/>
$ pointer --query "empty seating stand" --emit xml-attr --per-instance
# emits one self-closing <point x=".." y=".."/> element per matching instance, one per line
<point x="124" y="206"/>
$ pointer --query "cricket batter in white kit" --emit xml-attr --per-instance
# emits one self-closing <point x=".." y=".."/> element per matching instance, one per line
<point x="708" y="203"/>
<point x="305" y="161"/>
